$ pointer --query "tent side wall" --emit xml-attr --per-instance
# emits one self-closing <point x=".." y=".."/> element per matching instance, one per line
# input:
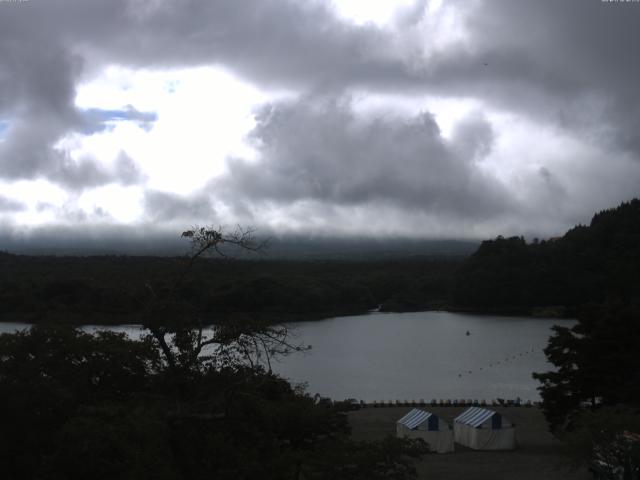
<point x="485" y="438"/>
<point x="463" y="434"/>
<point x="401" y="429"/>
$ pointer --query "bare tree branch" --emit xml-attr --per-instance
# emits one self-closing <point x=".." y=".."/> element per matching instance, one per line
<point x="247" y="339"/>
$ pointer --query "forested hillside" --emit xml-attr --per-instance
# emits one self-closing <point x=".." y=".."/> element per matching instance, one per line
<point x="507" y="275"/>
<point x="109" y="289"/>
<point x="588" y="264"/>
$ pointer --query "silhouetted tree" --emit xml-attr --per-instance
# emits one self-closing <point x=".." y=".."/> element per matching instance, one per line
<point x="608" y="440"/>
<point x="597" y="364"/>
<point x="175" y="404"/>
<point x="588" y="264"/>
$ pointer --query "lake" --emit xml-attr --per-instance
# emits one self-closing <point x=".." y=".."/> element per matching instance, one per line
<point x="422" y="355"/>
<point x="397" y="356"/>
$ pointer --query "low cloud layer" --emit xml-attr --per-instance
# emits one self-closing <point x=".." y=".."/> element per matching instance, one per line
<point x="169" y="207"/>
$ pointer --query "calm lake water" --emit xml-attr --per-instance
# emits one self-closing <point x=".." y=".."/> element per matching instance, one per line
<point x="398" y="356"/>
<point x="390" y="356"/>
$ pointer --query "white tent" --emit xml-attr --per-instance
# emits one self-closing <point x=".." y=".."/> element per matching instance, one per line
<point x="427" y="426"/>
<point x="483" y="429"/>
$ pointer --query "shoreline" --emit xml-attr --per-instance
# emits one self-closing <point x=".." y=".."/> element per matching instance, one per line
<point x="135" y="319"/>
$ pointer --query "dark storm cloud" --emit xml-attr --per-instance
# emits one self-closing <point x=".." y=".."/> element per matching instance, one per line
<point x="286" y="42"/>
<point x="518" y="53"/>
<point x="319" y="150"/>
<point x="572" y="62"/>
<point x="165" y="206"/>
<point x="46" y="46"/>
<point x="30" y="153"/>
<point x="569" y="65"/>
<point x="566" y="51"/>
<point x="473" y="137"/>
<point x="87" y="173"/>
<point x="126" y="172"/>
<point x="37" y="89"/>
<point x="38" y="78"/>
<point x="37" y="85"/>
<point x="10" y="205"/>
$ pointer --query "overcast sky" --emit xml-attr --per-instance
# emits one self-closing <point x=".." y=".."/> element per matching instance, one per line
<point x="434" y="119"/>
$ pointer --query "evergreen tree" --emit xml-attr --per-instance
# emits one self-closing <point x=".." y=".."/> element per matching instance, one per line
<point x="597" y="364"/>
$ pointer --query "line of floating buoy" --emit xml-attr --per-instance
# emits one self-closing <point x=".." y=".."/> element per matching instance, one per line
<point x="506" y="360"/>
<point x="518" y="402"/>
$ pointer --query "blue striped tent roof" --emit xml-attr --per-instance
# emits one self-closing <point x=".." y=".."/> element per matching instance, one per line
<point x="474" y="416"/>
<point x="414" y="418"/>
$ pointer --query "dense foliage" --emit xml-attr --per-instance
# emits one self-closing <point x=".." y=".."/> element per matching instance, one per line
<point x="77" y="406"/>
<point x="588" y="264"/>
<point x="175" y="404"/>
<point x="592" y="398"/>
<point x="505" y="275"/>
<point x="606" y="438"/>
<point x="107" y="288"/>
<point x="597" y="362"/>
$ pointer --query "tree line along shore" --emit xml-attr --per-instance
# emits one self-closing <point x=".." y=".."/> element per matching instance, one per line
<point x="506" y="275"/>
